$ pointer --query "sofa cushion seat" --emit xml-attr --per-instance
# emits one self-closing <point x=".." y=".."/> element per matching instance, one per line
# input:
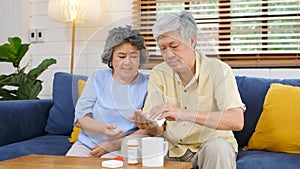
<point x="257" y="159"/>
<point x="47" y="144"/>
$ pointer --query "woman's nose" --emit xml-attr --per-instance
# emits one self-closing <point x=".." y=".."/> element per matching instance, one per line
<point x="127" y="60"/>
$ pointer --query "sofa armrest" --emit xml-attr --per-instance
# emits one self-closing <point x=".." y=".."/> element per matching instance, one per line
<point x="23" y="119"/>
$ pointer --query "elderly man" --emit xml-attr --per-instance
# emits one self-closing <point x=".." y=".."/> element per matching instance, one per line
<point x="197" y="96"/>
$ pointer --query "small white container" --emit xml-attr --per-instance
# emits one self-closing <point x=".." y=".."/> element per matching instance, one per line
<point x="112" y="164"/>
<point x="132" y="151"/>
<point x="153" y="151"/>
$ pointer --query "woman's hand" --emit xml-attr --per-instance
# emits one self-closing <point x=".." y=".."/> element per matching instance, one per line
<point x="141" y="120"/>
<point x="110" y="133"/>
<point x="100" y="149"/>
<point x="90" y="125"/>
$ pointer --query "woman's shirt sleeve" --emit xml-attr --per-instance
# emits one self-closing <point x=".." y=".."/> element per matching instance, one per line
<point x="87" y="99"/>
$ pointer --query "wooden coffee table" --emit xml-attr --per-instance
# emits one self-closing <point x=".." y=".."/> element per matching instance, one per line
<point x="34" y="161"/>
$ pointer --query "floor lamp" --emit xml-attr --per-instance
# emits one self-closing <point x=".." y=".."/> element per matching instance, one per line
<point x="75" y="11"/>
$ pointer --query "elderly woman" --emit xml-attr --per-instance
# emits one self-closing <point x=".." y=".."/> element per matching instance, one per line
<point x="111" y="95"/>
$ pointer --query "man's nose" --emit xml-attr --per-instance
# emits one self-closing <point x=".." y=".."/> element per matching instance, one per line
<point x="169" y="53"/>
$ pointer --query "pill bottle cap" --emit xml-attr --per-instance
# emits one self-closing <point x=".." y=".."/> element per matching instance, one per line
<point x="132" y="142"/>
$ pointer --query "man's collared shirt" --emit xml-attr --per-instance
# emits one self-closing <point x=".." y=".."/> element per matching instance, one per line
<point x="212" y="88"/>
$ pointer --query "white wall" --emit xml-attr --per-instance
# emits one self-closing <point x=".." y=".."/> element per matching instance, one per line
<point x="14" y="22"/>
<point x="21" y="15"/>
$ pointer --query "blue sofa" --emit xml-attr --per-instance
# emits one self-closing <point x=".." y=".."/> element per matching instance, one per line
<point x="44" y="126"/>
<point x="39" y="126"/>
<point x="253" y="91"/>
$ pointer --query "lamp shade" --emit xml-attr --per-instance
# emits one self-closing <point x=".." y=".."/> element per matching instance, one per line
<point x="83" y="11"/>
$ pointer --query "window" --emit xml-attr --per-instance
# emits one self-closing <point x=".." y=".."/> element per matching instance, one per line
<point x="243" y="33"/>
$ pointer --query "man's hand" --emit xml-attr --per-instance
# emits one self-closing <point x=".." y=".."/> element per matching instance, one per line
<point x="168" y="111"/>
<point x="143" y="122"/>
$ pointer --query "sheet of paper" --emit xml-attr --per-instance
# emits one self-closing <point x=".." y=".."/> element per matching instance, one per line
<point x="156" y="121"/>
<point x="160" y="122"/>
<point x="156" y="99"/>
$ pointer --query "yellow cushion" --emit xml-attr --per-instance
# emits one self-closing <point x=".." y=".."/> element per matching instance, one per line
<point x="278" y="127"/>
<point x="81" y="84"/>
<point x="74" y="135"/>
<point x="76" y="130"/>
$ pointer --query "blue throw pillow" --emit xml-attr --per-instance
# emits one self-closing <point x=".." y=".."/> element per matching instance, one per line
<point x="61" y="115"/>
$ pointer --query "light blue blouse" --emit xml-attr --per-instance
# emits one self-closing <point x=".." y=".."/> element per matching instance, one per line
<point x="110" y="103"/>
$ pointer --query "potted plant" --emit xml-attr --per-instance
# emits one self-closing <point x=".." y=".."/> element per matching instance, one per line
<point x="20" y="85"/>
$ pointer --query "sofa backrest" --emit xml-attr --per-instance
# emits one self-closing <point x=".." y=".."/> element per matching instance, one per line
<point x="22" y="119"/>
<point x="253" y="91"/>
<point x="65" y="94"/>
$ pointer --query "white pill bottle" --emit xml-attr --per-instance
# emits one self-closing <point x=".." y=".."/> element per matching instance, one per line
<point x="132" y="151"/>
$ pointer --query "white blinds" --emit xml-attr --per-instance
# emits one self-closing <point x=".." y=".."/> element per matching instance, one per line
<point x="243" y="33"/>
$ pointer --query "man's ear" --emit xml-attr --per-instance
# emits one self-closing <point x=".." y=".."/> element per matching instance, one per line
<point x="193" y="41"/>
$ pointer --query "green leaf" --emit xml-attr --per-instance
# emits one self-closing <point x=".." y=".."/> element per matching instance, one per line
<point x="15" y="79"/>
<point x="7" y="94"/>
<point x="15" y="42"/>
<point x="2" y="77"/>
<point x="6" y="53"/>
<point x="21" y="53"/>
<point x="13" y="51"/>
<point x="34" y="73"/>
<point x="29" y="90"/>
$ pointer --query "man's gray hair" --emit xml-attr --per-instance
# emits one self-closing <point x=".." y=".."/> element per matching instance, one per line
<point x="183" y="21"/>
<point x="120" y="35"/>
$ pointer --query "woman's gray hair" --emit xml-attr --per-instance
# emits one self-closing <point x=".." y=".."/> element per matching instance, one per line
<point x="120" y="35"/>
<point x="183" y="21"/>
